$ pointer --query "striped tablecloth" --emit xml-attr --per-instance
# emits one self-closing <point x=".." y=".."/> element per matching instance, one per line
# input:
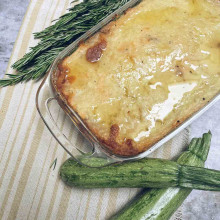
<point x="29" y="188"/>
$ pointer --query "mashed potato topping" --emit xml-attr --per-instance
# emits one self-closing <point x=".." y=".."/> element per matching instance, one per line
<point x="145" y="73"/>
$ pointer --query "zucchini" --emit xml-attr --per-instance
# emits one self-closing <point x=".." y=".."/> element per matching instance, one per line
<point x="160" y="204"/>
<point x="144" y="173"/>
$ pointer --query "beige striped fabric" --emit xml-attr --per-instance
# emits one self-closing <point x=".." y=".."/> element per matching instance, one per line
<point x="29" y="188"/>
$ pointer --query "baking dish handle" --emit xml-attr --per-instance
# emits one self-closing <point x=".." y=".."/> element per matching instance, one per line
<point x="64" y="141"/>
<point x="43" y="99"/>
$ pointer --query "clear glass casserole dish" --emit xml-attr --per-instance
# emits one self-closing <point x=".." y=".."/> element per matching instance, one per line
<point x="48" y="93"/>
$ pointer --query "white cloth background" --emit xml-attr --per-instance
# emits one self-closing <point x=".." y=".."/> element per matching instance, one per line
<point x="29" y="188"/>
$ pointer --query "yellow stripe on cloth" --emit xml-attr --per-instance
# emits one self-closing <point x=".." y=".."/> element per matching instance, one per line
<point x="29" y="188"/>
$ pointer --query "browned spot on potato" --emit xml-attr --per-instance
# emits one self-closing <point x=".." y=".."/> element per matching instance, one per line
<point x="61" y="76"/>
<point x="128" y="142"/>
<point x="94" y="53"/>
<point x="114" y="131"/>
<point x="71" y="79"/>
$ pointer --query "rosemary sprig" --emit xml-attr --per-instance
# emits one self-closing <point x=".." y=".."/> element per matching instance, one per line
<point x="55" y="38"/>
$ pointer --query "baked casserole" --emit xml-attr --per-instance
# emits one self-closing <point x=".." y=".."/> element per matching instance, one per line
<point x="145" y="73"/>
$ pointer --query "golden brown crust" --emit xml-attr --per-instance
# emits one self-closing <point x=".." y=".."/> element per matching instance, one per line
<point x="94" y="54"/>
<point x="126" y="148"/>
<point x="134" y="83"/>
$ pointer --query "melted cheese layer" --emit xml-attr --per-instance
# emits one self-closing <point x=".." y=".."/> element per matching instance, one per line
<point x="160" y="63"/>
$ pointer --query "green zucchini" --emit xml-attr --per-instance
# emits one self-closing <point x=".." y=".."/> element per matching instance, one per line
<point x="160" y="204"/>
<point x="145" y="173"/>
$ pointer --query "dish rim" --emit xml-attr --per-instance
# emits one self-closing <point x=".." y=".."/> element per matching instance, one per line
<point x="50" y="80"/>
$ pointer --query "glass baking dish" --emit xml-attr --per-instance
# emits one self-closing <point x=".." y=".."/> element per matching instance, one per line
<point x="47" y="93"/>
